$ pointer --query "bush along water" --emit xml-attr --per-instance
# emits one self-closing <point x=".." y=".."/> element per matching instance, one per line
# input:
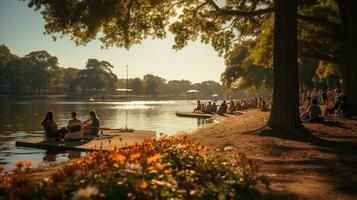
<point x="170" y="168"/>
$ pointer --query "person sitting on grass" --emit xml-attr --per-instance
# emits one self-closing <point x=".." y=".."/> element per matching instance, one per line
<point x="314" y="112"/>
<point x="52" y="133"/>
<point x="264" y="106"/>
<point x="334" y="109"/>
<point x="223" y="108"/>
<point x="93" y="128"/>
<point x="344" y="108"/>
<point x="232" y="107"/>
<point x="74" y="128"/>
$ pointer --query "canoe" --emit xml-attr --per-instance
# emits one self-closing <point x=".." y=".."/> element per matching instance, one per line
<point x="103" y="142"/>
<point x="193" y="115"/>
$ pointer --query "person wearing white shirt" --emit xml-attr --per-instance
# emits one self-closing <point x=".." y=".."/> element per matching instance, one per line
<point x="74" y="128"/>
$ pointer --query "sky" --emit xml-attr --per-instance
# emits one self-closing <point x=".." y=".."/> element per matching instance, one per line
<point x="21" y="29"/>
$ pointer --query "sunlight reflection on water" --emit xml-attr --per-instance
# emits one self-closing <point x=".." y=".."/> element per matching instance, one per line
<point x="22" y="119"/>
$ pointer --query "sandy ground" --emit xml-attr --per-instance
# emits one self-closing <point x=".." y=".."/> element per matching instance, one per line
<point x="324" y="168"/>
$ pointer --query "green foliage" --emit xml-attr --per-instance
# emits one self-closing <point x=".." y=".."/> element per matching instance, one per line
<point x="319" y="27"/>
<point x="242" y="74"/>
<point x="18" y="74"/>
<point x="153" y="85"/>
<point x="325" y="70"/>
<point x="97" y="75"/>
<point x="32" y="72"/>
<point x="178" y="87"/>
<point x="128" y="22"/>
<point x="170" y="168"/>
<point x="208" y="88"/>
<point x="5" y="56"/>
<point x="136" y="85"/>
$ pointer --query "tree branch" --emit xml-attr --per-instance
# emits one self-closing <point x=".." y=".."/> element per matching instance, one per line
<point x="323" y="57"/>
<point x="253" y="13"/>
<point x="319" y="20"/>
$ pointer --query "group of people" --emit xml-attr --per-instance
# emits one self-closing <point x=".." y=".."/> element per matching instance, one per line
<point x="333" y="101"/>
<point x="74" y="130"/>
<point x="235" y="105"/>
<point x="324" y="97"/>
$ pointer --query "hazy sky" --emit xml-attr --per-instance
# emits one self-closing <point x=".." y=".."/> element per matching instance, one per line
<point x="21" y="29"/>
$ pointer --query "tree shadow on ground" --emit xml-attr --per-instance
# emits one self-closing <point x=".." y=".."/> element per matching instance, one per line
<point x="334" y="170"/>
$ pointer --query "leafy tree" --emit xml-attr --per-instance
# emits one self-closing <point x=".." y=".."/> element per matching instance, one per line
<point x="136" y="85"/>
<point x="242" y="74"/>
<point x="153" y="85"/>
<point x="42" y="64"/>
<point x="178" y="87"/>
<point x="32" y="72"/>
<point x="66" y="77"/>
<point x="17" y="75"/>
<point x="208" y="88"/>
<point x="5" y="57"/>
<point x="97" y="75"/>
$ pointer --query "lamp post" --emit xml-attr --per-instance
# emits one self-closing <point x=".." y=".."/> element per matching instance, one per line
<point x="127" y="100"/>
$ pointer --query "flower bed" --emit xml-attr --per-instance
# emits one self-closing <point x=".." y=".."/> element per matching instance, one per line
<point x="170" y="168"/>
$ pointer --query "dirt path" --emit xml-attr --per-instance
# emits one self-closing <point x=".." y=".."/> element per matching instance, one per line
<point x="325" y="168"/>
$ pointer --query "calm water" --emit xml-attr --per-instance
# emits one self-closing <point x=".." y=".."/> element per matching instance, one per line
<point x="20" y="119"/>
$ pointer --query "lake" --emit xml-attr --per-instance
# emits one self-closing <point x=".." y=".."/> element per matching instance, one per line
<point x="20" y="119"/>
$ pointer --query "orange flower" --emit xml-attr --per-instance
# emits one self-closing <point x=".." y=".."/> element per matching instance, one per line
<point x="27" y="163"/>
<point x="19" y="164"/>
<point x="2" y="168"/>
<point x="154" y="158"/>
<point x="119" y="158"/>
<point x="143" y="185"/>
<point x="168" y="171"/>
<point x="159" y="166"/>
<point x="135" y="156"/>
<point x="150" y="168"/>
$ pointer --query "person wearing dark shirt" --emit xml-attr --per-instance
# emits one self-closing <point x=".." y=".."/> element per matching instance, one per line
<point x="223" y="108"/>
<point x="51" y="129"/>
<point x="198" y="108"/>
<point x="214" y="108"/>
<point x="314" y="112"/>
<point x="344" y="108"/>
<point x="209" y="108"/>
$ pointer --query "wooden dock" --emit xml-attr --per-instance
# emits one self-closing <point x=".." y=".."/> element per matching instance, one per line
<point x="109" y="138"/>
<point x="194" y="115"/>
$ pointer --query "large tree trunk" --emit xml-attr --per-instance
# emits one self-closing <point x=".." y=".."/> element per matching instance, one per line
<point x="348" y="13"/>
<point x="351" y="47"/>
<point x="285" y="110"/>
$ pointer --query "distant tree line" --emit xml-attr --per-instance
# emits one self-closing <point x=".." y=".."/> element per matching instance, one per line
<point x="38" y="73"/>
